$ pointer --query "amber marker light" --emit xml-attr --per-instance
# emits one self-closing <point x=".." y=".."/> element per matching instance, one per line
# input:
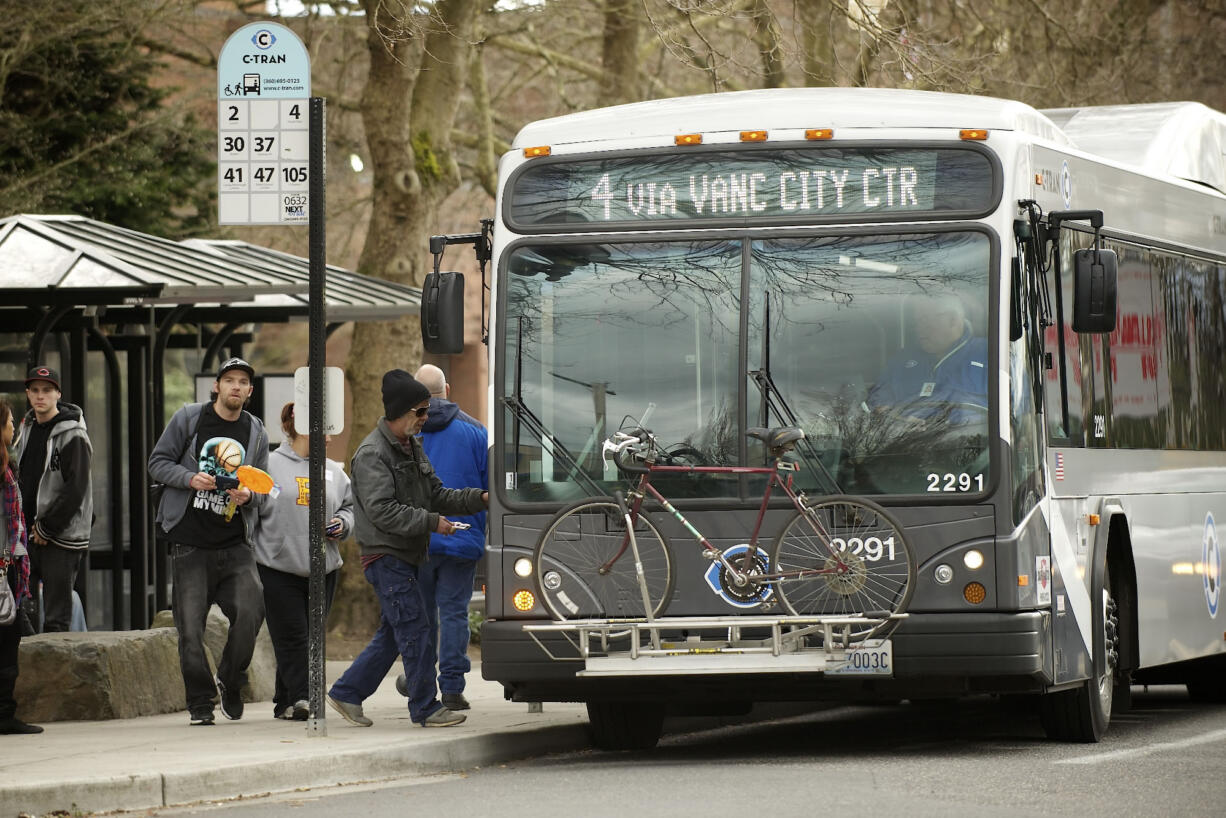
<point x="1038" y="179"/>
<point x="819" y="133"/>
<point x="977" y="134"/>
<point x="688" y="139"/>
<point x="523" y="600"/>
<point x="539" y="150"/>
<point x="1093" y="519"/>
<point x="974" y="593"/>
<point x="1023" y="580"/>
<point x="753" y="136"/>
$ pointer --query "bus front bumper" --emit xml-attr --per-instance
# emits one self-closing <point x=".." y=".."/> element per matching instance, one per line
<point x="946" y="653"/>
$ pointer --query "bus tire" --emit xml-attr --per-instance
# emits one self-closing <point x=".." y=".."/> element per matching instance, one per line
<point x="1082" y="714"/>
<point x="626" y="725"/>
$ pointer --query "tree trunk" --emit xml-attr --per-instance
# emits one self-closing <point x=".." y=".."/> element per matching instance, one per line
<point x="409" y="105"/>
<point x="817" y="40"/>
<point x="619" y="81"/>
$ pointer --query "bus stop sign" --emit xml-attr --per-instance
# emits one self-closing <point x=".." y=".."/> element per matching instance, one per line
<point x="263" y="85"/>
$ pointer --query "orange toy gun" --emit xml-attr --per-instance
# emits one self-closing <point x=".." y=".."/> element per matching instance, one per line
<point x="248" y="477"/>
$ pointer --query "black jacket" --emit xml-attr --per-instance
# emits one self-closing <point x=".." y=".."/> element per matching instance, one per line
<point x="397" y="498"/>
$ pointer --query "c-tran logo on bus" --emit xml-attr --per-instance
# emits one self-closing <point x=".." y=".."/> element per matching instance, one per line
<point x="1066" y="184"/>
<point x="1211" y="558"/>
<point x="753" y="593"/>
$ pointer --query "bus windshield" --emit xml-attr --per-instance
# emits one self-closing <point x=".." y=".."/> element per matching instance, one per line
<point x="875" y="345"/>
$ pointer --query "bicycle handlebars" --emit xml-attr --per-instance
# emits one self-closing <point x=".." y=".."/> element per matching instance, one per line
<point x="639" y="437"/>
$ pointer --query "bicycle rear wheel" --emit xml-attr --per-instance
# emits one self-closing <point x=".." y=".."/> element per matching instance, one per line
<point x="843" y="556"/>
<point x="584" y="566"/>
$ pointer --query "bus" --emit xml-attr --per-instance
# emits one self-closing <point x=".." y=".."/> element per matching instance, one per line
<point x="763" y="259"/>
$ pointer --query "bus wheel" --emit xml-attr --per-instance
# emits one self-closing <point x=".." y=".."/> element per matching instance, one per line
<point x="626" y="725"/>
<point x="1083" y="714"/>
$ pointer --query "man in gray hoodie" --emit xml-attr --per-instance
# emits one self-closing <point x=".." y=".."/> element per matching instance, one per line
<point x="212" y="535"/>
<point x="57" y="498"/>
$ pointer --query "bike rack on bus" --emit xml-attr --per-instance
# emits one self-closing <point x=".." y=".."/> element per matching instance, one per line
<point x="716" y="644"/>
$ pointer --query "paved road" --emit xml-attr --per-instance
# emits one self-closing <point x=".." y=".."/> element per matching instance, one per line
<point x="978" y="757"/>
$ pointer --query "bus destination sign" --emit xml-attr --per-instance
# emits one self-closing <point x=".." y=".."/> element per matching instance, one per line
<point x="783" y="185"/>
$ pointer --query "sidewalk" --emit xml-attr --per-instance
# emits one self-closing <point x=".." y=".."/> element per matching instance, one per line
<point x="156" y="761"/>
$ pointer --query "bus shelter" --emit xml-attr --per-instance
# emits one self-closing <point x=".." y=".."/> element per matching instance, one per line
<point x="105" y="305"/>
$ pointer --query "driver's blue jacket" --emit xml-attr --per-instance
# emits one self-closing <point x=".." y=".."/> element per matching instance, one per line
<point x="917" y="383"/>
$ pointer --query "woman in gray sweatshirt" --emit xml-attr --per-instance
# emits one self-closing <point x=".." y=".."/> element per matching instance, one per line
<point x="282" y="552"/>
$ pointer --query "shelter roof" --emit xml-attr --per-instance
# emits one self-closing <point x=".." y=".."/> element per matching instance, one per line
<point x="71" y="260"/>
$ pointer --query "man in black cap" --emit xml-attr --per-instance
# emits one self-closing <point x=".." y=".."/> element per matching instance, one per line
<point x="397" y="505"/>
<point x="212" y="535"/>
<point x="54" y="456"/>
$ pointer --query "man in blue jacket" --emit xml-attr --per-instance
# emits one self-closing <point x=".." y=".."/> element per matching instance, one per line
<point x="944" y="374"/>
<point x="457" y="446"/>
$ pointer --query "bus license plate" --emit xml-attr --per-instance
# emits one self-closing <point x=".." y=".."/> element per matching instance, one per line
<point x="873" y="657"/>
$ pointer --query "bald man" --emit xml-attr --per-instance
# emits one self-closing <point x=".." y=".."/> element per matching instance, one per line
<point x="458" y="447"/>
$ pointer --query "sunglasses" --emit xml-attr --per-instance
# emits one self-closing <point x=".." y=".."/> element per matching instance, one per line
<point x="421" y="411"/>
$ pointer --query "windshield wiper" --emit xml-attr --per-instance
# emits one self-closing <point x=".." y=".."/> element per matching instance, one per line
<point x="777" y="404"/>
<point x="524" y="417"/>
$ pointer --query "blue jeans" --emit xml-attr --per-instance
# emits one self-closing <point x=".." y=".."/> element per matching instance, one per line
<point x="228" y="577"/>
<point x="403" y="631"/>
<point x="447" y="585"/>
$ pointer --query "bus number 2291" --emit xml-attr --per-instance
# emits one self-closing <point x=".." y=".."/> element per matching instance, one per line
<point x="955" y="482"/>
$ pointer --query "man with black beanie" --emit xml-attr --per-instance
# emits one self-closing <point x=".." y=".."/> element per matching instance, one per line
<point x="398" y="503"/>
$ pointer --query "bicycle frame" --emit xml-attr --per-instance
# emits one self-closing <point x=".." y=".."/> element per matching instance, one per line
<point x="644" y="488"/>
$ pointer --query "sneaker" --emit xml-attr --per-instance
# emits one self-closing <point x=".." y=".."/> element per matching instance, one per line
<point x="402" y="685"/>
<point x="285" y="713"/>
<point x="301" y="710"/>
<point x="14" y="726"/>
<point x="202" y="717"/>
<point x="455" y="701"/>
<point x="352" y="713"/>
<point x="443" y="718"/>
<point x="231" y="702"/>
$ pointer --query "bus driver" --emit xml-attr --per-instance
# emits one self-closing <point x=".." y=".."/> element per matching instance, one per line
<point x="945" y="371"/>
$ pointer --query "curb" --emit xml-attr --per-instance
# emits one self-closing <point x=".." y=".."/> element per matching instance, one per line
<point x="324" y="766"/>
<point x="154" y="790"/>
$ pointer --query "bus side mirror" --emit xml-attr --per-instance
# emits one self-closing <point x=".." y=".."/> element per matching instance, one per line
<point x="1094" y="291"/>
<point x="442" y="313"/>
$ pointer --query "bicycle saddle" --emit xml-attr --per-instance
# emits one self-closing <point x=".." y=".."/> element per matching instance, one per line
<point x="777" y="438"/>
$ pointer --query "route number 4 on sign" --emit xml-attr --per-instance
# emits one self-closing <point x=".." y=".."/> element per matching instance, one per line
<point x="263" y="93"/>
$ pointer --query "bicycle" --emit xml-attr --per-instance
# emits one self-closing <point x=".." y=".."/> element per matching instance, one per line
<point x="841" y="556"/>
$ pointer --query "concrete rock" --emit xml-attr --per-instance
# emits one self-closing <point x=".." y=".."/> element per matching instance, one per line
<point x="99" y="675"/>
<point x="122" y="674"/>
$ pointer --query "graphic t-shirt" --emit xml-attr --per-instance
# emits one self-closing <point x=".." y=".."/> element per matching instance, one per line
<point x="211" y="519"/>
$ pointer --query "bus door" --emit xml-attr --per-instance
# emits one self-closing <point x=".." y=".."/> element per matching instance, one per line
<point x="1075" y="398"/>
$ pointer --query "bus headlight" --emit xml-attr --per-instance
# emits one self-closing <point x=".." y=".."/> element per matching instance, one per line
<point x="523" y="567"/>
<point x="973" y="559"/>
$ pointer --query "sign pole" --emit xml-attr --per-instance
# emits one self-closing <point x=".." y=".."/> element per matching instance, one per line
<point x="317" y="242"/>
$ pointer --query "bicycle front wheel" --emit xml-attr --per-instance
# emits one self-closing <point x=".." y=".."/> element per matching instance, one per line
<point x="584" y="565"/>
<point x="841" y="557"/>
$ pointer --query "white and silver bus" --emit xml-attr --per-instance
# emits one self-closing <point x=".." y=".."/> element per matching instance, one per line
<point x="762" y="259"/>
